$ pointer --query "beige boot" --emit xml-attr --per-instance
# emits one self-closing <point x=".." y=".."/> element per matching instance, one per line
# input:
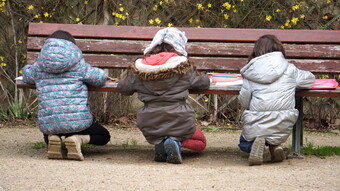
<point x="54" y="147"/>
<point x="73" y="146"/>
<point x="276" y="152"/>
<point x="256" y="153"/>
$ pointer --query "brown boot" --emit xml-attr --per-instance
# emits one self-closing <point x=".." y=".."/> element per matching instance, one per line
<point x="73" y="146"/>
<point x="276" y="152"/>
<point x="54" y="147"/>
<point x="256" y="153"/>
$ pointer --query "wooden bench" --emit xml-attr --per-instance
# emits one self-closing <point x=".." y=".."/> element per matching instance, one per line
<point x="209" y="49"/>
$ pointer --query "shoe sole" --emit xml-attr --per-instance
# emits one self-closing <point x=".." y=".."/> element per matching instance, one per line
<point x="256" y="153"/>
<point x="160" y="155"/>
<point x="54" y="148"/>
<point x="278" y="154"/>
<point x="73" y="149"/>
<point x="173" y="153"/>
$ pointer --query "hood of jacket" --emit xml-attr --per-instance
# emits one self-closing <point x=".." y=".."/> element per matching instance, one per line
<point x="266" y="68"/>
<point x="58" y="56"/>
<point x="160" y="78"/>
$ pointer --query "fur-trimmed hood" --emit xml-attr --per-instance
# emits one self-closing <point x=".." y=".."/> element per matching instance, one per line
<point x="160" y="78"/>
<point x="172" y="67"/>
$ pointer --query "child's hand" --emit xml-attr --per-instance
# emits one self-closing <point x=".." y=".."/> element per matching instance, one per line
<point x="112" y="79"/>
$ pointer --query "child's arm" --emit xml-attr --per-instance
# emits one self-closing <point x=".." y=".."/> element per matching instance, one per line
<point x="94" y="76"/>
<point x="28" y="74"/>
<point x="126" y="85"/>
<point x="200" y="81"/>
<point x="245" y="94"/>
<point x="304" y="79"/>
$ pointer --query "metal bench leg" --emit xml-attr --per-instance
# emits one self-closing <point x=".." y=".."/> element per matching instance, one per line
<point x="297" y="140"/>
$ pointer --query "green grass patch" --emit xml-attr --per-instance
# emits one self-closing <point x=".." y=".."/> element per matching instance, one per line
<point x="39" y="145"/>
<point x="210" y="129"/>
<point x="310" y="149"/>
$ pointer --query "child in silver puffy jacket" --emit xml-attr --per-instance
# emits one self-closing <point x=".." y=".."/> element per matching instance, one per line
<point x="61" y="76"/>
<point x="268" y="96"/>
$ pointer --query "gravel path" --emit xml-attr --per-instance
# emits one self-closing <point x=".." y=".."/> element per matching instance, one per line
<point x="126" y="163"/>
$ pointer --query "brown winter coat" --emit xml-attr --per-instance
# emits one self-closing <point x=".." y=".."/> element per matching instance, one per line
<point x="164" y="90"/>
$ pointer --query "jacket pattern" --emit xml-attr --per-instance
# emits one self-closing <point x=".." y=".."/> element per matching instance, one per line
<point x="61" y="76"/>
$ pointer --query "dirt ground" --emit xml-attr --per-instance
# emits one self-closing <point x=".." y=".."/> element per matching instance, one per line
<point x="126" y="163"/>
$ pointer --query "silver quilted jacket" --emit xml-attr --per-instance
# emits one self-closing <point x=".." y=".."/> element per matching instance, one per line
<point x="268" y="96"/>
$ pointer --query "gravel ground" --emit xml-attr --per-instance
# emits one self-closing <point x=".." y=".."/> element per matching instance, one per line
<point x="126" y="163"/>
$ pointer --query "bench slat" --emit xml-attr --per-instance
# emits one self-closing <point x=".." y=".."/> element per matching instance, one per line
<point x="227" y="90"/>
<point x="193" y="48"/>
<point x="193" y="34"/>
<point x="203" y="63"/>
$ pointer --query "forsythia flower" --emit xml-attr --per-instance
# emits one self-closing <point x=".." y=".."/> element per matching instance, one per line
<point x="77" y="19"/>
<point x="121" y="9"/>
<point x="20" y="71"/>
<point x="46" y="14"/>
<point x="294" y="20"/>
<point x="200" y="7"/>
<point x="198" y="26"/>
<point x="302" y="16"/>
<point x="86" y="2"/>
<point x="158" y="21"/>
<point x="155" y="8"/>
<point x="30" y="7"/>
<point x="278" y="10"/>
<point x="3" y="64"/>
<point x="170" y="24"/>
<point x="282" y="27"/>
<point x="226" y="5"/>
<point x="161" y="3"/>
<point x="2" y="58"/>
<point x="328" y="1"/>
<point x="226" y="16"/>
<point x="151" y="21"/>
<point x="79" y="23"/>
<point x="209" y="5"/>
<point x="325" y="17"/>
<point x="197" y="20"/>
<point x="191" y="20"/>
<point x="268" y="18"/>
<point x="295" y="7"/>
<point x="19" y="41"/>
<point x="37" y="16"/>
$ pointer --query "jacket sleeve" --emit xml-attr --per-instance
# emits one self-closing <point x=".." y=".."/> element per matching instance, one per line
<point x="126" y="85"/>
<point x="304" y="79"/>
<point x="199" y="81"/>
<point x="94" y="76"/>
<point x="245" y="94"/>
<point x="29" y="73"/>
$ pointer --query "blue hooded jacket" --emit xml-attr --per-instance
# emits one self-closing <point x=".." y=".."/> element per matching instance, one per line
<point x="61" y="76"/>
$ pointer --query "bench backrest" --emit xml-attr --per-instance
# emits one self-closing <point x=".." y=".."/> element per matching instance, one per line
<point x="210" y="49"/>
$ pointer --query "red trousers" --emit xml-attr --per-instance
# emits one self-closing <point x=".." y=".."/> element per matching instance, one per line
<point x="196" y="142"/>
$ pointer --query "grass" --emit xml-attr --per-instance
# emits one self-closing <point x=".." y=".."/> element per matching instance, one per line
<point x="39" y="145"/>
<point x="309" y="149"/>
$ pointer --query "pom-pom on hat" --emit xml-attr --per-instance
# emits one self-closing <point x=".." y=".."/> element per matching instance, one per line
<point x="171" y="36"/>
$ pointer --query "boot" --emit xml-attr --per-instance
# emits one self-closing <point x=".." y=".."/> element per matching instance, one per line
<point x="276" y="152"/>
<point x="256" y="153"/>
<point x="173" y="151"/>
<point x="160" y="154"/>
<point x="54" y="147"/>
<point x="73" y="146"/>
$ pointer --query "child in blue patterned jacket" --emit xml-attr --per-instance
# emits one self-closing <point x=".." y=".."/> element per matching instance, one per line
<point x="60" y="74"/>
